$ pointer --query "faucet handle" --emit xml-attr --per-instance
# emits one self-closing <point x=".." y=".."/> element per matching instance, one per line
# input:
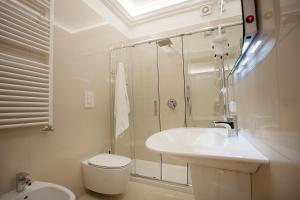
<point x="22" y="175"/>
<point x="22" y="181"/>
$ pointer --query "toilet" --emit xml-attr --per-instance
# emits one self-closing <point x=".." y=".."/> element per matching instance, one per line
<point x="106" y="173"/>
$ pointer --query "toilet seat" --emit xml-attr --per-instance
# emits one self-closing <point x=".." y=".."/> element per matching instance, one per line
<point x="109" y="161"/>
<point x="106" y="173"/>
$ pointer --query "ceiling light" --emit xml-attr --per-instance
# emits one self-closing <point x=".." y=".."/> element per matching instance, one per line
<point x="134" y="9"/>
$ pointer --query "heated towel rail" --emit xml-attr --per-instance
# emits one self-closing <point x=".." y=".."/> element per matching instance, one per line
<point x="26" y="41"/>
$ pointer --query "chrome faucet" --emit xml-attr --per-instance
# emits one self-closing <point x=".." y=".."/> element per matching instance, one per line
<point x="230" y="124"/>
<point x="23" y="181"/>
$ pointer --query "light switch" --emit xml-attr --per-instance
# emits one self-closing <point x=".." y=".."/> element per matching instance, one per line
<point x="89" y="99"/>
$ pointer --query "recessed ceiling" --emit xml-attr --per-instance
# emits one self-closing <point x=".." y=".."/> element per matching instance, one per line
<point x="143" y="18"/>
<point x="75" y="15"/>
<point x="139" y="7"/>
<point x="134" y="12"/>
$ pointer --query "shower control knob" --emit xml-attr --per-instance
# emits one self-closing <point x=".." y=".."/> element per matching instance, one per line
<point x="172" y="103"/>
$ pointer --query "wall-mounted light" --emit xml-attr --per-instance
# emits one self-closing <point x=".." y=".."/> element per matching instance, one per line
<point x="255" y="46"/>
<point x="244" y="62"/>
<point x="266" y="14"/>
<point x="245" y="46"/>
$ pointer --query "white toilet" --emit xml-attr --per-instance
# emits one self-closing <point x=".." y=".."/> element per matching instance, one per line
<point x="106" y="173"/>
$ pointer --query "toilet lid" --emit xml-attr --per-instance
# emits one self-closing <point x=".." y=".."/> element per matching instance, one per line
<point x="109" y="161"/>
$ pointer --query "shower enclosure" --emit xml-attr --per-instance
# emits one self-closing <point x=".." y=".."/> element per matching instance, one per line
<point x="171" y="82"/>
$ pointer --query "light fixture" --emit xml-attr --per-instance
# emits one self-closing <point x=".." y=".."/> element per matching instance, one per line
<point x="255" y="46"/>
<point x="245" y="46"/>
<point x="244" y="62"/>
<point x="135" y="9"/>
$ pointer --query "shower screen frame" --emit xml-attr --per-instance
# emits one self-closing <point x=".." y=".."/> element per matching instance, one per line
<point x="112" y="76"/>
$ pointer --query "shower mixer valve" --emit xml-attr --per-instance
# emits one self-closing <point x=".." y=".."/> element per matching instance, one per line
<point x="172" y="103"/>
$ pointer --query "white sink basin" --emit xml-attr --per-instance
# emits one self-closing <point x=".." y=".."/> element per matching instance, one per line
<point x="41" y="191"/>
<point x="220" y="165"/>
<point x="208" y="147"/>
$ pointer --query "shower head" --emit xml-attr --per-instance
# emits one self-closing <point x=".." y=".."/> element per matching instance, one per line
<point x="166" y="46"/>
<point x="164" y="42"/>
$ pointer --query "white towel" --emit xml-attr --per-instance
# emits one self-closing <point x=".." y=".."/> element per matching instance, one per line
<point x="122" y="107"/>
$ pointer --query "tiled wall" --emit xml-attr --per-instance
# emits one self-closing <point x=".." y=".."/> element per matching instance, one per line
<point x="268" y="100"/>
<point x="81" y="62"/>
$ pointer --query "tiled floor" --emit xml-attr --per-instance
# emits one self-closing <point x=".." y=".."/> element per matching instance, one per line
<point x="140" y="191"/>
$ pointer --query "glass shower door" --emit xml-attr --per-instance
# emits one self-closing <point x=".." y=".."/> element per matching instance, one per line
<point x="155" y="76"/>
<point x="145" y="108"/>
<point x="122" y="145"/>
<point x="202" y="81"/>
<point x="172" y="102"/>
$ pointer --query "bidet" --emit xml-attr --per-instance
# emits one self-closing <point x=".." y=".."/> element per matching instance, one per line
<point x="40" y="190"/>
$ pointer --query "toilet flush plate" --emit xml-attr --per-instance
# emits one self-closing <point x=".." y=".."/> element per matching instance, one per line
<point x="89" y="99"/>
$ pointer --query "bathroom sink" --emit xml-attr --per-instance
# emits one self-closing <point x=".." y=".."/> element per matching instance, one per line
<point x="220" y="165"/>
<point x="41" y="190"/>
<point x="209" y="147"/>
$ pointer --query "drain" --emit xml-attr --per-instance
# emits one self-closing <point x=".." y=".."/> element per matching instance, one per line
<point x="26" y="197"/>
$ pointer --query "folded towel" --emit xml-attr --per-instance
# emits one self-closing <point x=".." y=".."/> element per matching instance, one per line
<point x="122" y="107"/>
